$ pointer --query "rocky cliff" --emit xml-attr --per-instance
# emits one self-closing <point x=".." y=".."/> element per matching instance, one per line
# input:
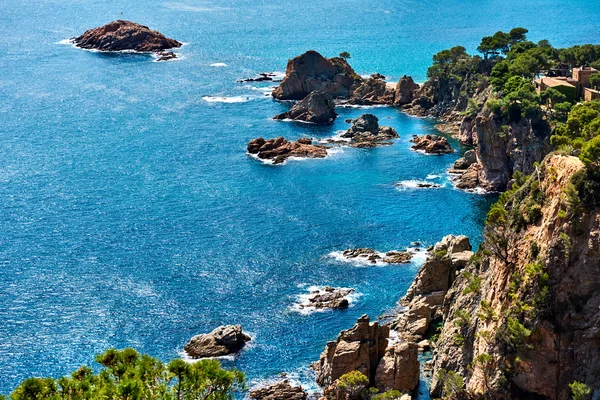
<point x="522" y="319"/>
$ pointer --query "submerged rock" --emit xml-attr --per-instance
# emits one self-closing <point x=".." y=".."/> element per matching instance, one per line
<point x="279" y="391"/>
<point x="432" y="144"/>
<point x="262" y="77"/>
<point x="166" y="56"/>
<point x="125" y="35"/>
<point x="280" y="149"/>
<point x="366" y="132"/>
<point x="311" y="71"/>
<point x="328" y="297"/>
<point x="222" y="341"/>
<point x="317" y="108"/>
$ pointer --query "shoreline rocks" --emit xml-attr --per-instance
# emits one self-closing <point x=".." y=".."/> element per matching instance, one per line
<point x="372" y="256"/>
<point x="327" y="298"/>
<point x="366" y="132"/>
<point x="262" y="77"/>
<point x="311" y="71"/>
<point x="123" y="35"/>
<point x="432" y="144"/>
<point x="279" y="391"/>
<point x="317" y="107"/>
<point x="279" y="150"/>
<point x="222" y="341"/>
<point x="372" y="91"/>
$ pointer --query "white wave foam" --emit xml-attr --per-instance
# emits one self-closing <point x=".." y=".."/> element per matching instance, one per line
<point x="66" y="41"/>
<point x="305" y="307"/>
<point x="432" y="176"/>
<point x="190" y="360"/>
<point x="419" y="255"/>
<point x="346" y="105"/>
<point x="359" y="261"/>
<point x="336" y="138"/>
<point x="218" y="65"/>
<point x="224" y="99"/>
<point x="412" y="184"/>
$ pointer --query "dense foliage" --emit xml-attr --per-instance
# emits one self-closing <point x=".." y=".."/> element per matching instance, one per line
<point x="128" y="375"/>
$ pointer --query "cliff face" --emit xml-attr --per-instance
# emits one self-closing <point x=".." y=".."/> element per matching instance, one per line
<point x="522" y="320"/>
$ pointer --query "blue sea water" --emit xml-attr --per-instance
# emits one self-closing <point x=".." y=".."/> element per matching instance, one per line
<point x="130" y="214"/>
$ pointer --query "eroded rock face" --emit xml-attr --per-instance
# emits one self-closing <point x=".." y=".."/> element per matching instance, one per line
<point x="373" y="91"/>
<point x="317" y="108"/>
<point x="279" y="391"/>
<point x="311" y="71"/>
<point x="125" y="35"/>
<point x="425" y="297"/>
<point x="280" y="149"/>
<point x="357" y="349"/>
<point x="405" y="91"/>
<point x="468" y="159"/>
<point x="222" y="341"/>
<point x="366" y="132"/>
<point x="470" y="178"/>
<point x="432" y="144"/>
<point x="399" y="368"/>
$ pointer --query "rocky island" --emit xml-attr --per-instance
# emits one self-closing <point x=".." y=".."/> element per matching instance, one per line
<point x="366" y="132"/>
<point x="279" y="150"/>
<point x="222" y="341"/>
<point x="317" y="107"/>
<point x="124" y="35"/>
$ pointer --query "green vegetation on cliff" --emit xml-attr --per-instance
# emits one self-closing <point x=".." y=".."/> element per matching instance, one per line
<point x="128" y="375"/>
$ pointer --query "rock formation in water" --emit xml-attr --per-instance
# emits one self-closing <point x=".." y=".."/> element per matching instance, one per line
<point x="405" y="91"/>
<point x="279" y="150"/>
<point x="372" y="91"/>
<point x="125" y="35"/>
<point x="365" y="348"/>
<point x="279" y="391"/>
<point x="432" y="144"/>
<point x="311" y="71"/>
<point x="366" y="132"/>
<point x="328" y="298"/>
<point x="317" y="107"/>
<point x="521" y="319"/>
<point x="372" y="256"/>
<point x="222" y="341"/>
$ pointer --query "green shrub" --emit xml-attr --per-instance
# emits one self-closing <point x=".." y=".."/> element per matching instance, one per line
<point x="580" y="390"/>
<point x="352" y="383"/>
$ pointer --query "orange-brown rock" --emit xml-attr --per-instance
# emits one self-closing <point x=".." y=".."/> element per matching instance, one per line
<point x="432" y="144"/>
<point x="317" y="108"/>
<point x="125" y="35"/>
<point x="279" y="150"/>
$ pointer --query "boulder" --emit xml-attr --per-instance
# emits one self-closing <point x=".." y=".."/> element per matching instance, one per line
<point x="317" y="108"/>
<point x="399" y="369"/>
<point x="470" y="178"/>
<point x="125" y="35"/>
<point x="397" y="257"/>
<point x="222" y="341"/>
<point x="391" y="257"/>
<point x="166" y="56"/>
<point x="405" y="91"/>
<point x="357" y="349"/>
<point x="366" y="130"/>
<point x="432" y="144"/>
<point x="279" y="150"/>
<point x="372" y="91"/>
<point x="328" y="297"/>
<point x="468" y="159"/>
<point x="311" y="71"/>
<point x="279" y="391"/>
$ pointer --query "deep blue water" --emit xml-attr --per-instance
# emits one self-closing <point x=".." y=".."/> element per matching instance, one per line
<point x="130" y="214"/>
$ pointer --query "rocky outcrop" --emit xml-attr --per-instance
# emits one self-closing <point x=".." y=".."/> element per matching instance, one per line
<point x="468" y="159"/>
<point x="405" y="91"/>
<point x="223" y="341"/>
<point x="471" y="178"/>
<point x="279" y="150"/>
<point x="432" y="144"/>
<point x="424" y="299"/>
<point x="373" y="91"/>
<point x="521" y="319"/>
<point x="317" y="108"/>
<point x="328" y="298"/>
<point x="125" y="35"/>
<point x="311" y="71"/>
<point x="366" y="132"/>
<point x="374" y="257"/>
<point x="262" y="77"/>
<point x="364" y="348"/>
<point x="279" y="391"/>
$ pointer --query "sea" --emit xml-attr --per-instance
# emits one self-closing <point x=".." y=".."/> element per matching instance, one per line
<point x="132" y="216"/>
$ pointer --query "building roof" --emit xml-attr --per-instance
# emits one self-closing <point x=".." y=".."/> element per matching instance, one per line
<point x="553" y="82"/>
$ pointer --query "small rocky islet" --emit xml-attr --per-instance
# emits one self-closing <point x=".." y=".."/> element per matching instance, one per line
<point x="122" y="35"/>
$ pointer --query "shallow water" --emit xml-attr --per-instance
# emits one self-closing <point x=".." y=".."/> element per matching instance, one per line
<point x="132" y="216"/>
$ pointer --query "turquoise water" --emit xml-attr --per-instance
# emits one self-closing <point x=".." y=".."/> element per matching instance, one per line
<point x="130" y="214"/>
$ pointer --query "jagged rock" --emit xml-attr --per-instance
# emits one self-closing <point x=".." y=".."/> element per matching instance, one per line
<point x="222" y="341"/>
<point x="372" y="91"/>
<point x="366" y="130"/>
<point x="279" y="391"/>
<point x="262" y="77"/>
<point x="357" y="349"/>
<point x="391" y="257"/>
<point x="378" y="76"/>
<point x="166" y="56"/>
<point x="468" y="159"/>
<point x="432" y="144"/>
<point x="125" y="35"/>
<point x="560" y="344"/>
<point x="328" y="297"/>
<point x="311" y="71"/>
<point x="405" y="91"/>
<point x="399" y="368"/>
<point x="469" y="179"/>
<point x="397" y="257"/>
<point x="280" y="149"/>
<point x="317" y="108"/>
